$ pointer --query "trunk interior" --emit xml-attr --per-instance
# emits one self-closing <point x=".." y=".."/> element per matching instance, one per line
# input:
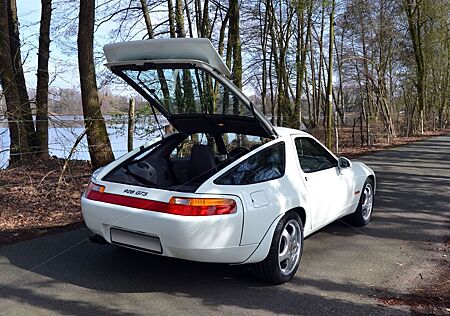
<point x="183" y="162"/>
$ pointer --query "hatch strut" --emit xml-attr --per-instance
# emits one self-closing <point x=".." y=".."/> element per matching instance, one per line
<point x="256" y="118"/>
<point x="118" y="71"/>
<point x="157" y="121"/>
<point x="155" y="97"/>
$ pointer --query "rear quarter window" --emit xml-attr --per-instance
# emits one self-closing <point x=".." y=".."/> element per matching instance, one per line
<point x="268" y="164"/>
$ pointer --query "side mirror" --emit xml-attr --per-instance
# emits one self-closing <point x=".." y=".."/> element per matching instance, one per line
<point x="344" y="163"/>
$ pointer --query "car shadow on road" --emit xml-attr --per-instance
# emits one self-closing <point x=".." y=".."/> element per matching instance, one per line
<point x="120" y="271"/>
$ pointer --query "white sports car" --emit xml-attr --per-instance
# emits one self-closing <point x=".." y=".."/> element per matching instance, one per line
<point x="226" y="186"/>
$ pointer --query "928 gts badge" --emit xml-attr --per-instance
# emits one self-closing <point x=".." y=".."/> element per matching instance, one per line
<point x="134" y="192"/>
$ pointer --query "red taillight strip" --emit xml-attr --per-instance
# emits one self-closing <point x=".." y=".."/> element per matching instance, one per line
<point x="161" y="207"/>
<point x="128" y="201"/>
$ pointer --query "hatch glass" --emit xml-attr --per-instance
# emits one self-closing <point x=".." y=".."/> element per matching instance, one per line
<point x="181" y="91"/>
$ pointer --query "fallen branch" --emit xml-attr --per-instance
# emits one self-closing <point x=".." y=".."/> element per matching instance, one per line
<point x="42" y="180"/>
<point x="72" y="151"/>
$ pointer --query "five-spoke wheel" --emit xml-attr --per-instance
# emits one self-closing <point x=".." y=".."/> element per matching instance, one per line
<point x="289" y="247"/>
<point x="285" y="252"/>
<point x="363" y="212"/>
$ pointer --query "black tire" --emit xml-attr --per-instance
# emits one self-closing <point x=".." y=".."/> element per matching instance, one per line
<point x="273" y="271"/>
<point x="363" y="212"/>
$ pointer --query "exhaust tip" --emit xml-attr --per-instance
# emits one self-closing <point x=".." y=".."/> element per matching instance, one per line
<point x="97" y="239"/>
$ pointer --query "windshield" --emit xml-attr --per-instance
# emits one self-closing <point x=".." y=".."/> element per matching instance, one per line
<point x="180" y="91"/>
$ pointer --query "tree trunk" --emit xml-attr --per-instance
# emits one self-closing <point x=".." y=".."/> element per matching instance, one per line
<point x="329" y="111"/>
<point x="302" y="48"/>
<point x="264" y="24"/>
<point x="171" y="18"/>
<point x="277" y="106"/>
<point x="131" y="123"/>
<point x="16" y="56"/>
<point x="19" y="148"/>
<point x="320" y="65"/>
<point x="149" y="26"/>
<point x="204" y="30"/>
<point x="223" y="28"/>
<point x="97" y="136"/>
<point x="188" y="16"/>
<point x="299" y="62"/>
<point x="179" y="18"/>
<point x="42" y="78"/>
<point x="369" y="95"/>
<point x="272" y="93"/>
<point x="413" y="14"/>
<point x="147" y="20"/>
<point x="314" y="118"/>
<point x="235" y="42"/>
<point x="188" y="99"/>
<point x="198" y="16"/>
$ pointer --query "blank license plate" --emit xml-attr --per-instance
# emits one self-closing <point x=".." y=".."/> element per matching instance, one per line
<point x="136" y="241"/>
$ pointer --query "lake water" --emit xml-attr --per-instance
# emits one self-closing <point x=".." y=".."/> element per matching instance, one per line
<point x="61" y="140"/>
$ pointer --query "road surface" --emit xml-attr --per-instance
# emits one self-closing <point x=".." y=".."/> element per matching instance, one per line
<point x="344" y="271"/>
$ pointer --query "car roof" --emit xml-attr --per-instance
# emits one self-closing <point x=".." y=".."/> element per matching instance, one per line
<point x="165" y="49"/>
<point x="284" y="131"/>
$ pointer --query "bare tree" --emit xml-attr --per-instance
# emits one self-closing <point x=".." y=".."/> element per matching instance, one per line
<point x="97" y="135"/>
<point x="329" y="108"/>
<point x="43" y="77"/>
<point x="19" y="147"/>
<point x="16" y="55"/>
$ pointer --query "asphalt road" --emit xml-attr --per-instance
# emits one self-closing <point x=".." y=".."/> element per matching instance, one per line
<point x="344" y="271"/>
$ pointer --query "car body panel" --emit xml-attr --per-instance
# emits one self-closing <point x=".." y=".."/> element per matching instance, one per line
<point x="281" y="195"/>
<point x="189" y="54"/>
<point x="199" y="49"/>
<point x="186" y="237"/>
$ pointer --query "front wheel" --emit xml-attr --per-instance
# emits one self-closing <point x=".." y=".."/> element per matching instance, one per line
<point x="285" y="252"/>
<point x="363" y="212"/>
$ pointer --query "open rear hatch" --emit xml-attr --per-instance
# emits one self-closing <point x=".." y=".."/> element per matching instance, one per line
<point x="186" y="81"/>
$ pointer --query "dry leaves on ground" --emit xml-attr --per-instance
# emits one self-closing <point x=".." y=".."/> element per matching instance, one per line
<point x="33" y="204"/>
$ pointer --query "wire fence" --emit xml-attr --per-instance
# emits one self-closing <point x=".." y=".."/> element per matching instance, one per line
<point x="63" y="132"/>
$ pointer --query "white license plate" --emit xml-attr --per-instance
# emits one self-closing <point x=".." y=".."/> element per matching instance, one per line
<point x="135" y="240"/>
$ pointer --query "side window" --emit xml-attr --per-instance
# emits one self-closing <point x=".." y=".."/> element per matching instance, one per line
<point x="268" y="164"/>
<point x="312" y="156"/>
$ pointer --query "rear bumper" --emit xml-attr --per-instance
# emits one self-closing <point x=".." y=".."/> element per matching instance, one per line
<point x="197" y="238"/>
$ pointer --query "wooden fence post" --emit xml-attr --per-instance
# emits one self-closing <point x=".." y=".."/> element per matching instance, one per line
<point x="131" y="123"/>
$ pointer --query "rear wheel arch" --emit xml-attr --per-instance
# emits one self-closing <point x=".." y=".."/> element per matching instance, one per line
<point x="262" y="250"/>
<point x="301" y="213"/>
<point x="285" y="249"/>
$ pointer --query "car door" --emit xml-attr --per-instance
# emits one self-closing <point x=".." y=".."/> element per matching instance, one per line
<point x="327" y="191"/>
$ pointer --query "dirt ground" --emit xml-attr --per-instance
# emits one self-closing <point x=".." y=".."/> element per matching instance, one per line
<point x="33" y="204"/>
<point x="433" y="296"/>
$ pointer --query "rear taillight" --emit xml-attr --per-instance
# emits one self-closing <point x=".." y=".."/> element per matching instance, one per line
<point x="177" y="205"/>
<point x="201" y="207"/>
<point x="94" y="190"/>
